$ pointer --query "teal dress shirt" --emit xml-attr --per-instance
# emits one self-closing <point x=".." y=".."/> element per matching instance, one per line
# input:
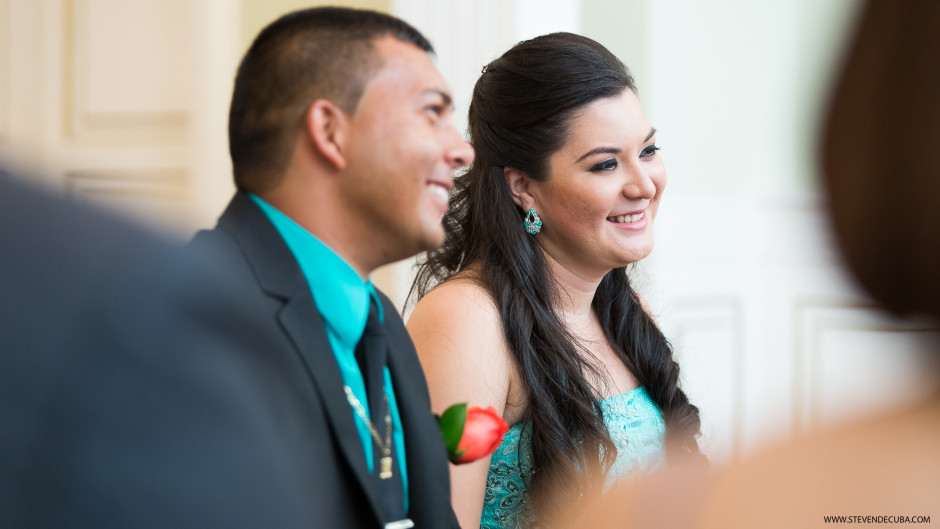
<point x="343" y="300"/>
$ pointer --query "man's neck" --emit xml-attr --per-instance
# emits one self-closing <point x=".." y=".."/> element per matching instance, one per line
<point x="327" y="219"/>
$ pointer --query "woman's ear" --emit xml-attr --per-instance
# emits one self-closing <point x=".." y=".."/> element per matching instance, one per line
<point x="326" y="124"/>
<point x="518" y="184"/>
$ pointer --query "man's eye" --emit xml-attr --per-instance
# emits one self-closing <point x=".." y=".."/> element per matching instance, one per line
<point x="607" y="165"/>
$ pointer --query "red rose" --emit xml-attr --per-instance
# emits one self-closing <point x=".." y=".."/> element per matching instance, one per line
<point x="482" y="434"/>
<point x="471" y="433"/>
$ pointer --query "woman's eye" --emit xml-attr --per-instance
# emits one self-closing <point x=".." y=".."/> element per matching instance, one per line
<point x="606" y="165"/>
<point x="649" y="151"/>
<point x="435" y="110"/>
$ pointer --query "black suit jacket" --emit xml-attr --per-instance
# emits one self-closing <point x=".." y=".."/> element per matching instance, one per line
<point x="314" y="416"/>
<point x="132" y="393"/>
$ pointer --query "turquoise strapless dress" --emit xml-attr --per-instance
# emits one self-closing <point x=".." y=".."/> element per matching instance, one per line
<point x="636" y="427"/>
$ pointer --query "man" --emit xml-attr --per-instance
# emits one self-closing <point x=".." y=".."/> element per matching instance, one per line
<point x="343" y="153"/>
<point x="131" y="389"/>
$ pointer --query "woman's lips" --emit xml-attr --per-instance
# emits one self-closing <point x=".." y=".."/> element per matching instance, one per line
<point x="629" y="221"/>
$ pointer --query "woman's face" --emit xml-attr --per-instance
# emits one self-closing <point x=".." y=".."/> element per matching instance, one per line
<point x="600" y="199"/>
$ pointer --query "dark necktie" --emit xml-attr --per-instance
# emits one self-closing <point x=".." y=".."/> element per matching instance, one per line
<point x="372" y="354"/>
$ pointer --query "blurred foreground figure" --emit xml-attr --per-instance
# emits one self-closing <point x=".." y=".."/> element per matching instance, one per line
<point x="123" y="400"/>
<point x="881" y="163"/>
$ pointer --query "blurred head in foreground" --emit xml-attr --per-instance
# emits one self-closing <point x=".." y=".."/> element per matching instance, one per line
<point x="881" y="156"/>
<point x="130" y="380"/>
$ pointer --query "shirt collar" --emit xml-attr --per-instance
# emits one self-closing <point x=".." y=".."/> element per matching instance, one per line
<point x="340" y="294"/>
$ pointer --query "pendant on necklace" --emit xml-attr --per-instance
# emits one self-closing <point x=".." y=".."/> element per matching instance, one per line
<point x="386" y="467"/>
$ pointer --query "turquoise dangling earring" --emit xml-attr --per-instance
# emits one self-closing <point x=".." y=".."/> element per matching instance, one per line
<point x="532" y="224"/>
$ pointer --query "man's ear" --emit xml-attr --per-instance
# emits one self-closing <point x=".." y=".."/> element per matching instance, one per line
<point x="327" y="125"/>
<point x="519" y="187"/>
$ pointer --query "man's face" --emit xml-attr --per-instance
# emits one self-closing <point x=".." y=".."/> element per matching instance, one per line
<point x="402" y="152"/>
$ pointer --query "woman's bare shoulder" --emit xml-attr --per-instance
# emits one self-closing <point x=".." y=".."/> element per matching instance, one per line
<point x="458" y="302"/>
<point x="458" y="334"/>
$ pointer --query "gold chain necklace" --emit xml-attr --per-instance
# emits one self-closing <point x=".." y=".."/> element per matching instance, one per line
<point x="385" y="466"/>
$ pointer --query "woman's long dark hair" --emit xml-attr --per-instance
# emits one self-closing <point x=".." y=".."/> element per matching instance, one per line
<point x="520" y="114"/>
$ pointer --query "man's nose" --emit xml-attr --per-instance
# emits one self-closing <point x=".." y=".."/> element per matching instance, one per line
<point x="459" y="152"/>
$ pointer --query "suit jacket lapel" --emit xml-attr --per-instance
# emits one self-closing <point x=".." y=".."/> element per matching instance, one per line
<point x="280" y="276"/>
<point x="428" y="472"/>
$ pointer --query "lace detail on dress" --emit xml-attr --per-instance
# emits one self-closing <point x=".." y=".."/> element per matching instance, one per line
<point x="636" y="427"/>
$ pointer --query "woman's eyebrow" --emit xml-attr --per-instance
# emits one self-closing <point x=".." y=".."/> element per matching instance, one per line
<point x="612" y="150"/>
<point x="599" y="150"/>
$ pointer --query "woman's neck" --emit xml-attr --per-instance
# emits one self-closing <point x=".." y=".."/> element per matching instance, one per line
<point x="576" y="292"/>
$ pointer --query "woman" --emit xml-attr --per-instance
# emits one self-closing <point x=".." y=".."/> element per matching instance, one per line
<point x="534" y="314"/>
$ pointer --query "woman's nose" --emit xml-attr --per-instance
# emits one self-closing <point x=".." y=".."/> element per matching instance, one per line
<point x="639" y="184"/>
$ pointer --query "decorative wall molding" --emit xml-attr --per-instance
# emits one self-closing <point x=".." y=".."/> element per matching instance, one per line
<point x="852" y="360"/>
<point x="94" y="117"/>
<point x="160" y="197"/>
<point x="708" y="337"/>
<point x="765" y="322"/>
<point x="156" y="184"/>
<point x="6" y="91"/>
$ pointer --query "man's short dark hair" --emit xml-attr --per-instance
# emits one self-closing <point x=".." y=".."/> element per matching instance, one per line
<point x="322" y="52"/>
